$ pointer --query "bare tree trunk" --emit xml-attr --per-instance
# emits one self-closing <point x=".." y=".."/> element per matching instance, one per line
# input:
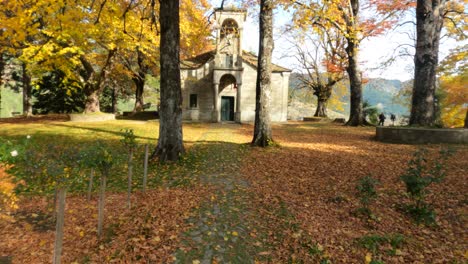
<point x="27" y="93"/>
<point x="59" y="226"/>
<point x="102" y="201"/>
<point x="262" y="131"/>
<point x="429" y="24"/>
<point x="321" y="110"/>
<point x="170" y="144"/>
<point x="130" y="174"/>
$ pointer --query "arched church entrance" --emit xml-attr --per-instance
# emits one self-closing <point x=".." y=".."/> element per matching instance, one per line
<point x="228" y="92"/>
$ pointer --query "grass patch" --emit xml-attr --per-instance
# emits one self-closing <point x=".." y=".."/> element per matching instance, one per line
<point x="82" y="135"/>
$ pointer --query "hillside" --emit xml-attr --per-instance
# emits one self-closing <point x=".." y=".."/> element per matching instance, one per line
<point x="378" y="92"/>
<point x="383" y="92"/>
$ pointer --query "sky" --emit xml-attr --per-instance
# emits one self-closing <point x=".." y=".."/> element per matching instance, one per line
<point x="373" y="51"/>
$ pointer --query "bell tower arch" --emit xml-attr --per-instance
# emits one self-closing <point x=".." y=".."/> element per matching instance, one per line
<point x="228" y="61"/>
<point x="229" y="29"/>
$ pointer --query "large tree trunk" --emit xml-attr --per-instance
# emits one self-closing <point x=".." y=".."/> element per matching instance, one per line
<point x="356" y="116"/>
<point x="140" y="85"/>
<point x="170" y="144"/>
<point x="27" y="93"/>
<point x="94" y="82"/>
<point x="114" y="100"/>
<point x="429" y="23"/>
<point x="321" y="108"/>
<point x="92" y="100"/>
<point x="262" y="130"/>
<point x="139" y="80"/>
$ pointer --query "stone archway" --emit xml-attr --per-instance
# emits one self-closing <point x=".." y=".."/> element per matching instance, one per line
<point x="229" y="28"/>
<point x="227" y="80"/>
<point x="227" y="95"/>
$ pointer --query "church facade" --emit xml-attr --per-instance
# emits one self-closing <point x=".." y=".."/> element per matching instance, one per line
<point x="219" y="86"/>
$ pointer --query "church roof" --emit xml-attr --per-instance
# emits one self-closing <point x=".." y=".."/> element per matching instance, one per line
<point x="248" y="57"/>
<point x="197" y="61"/>
<point x="231" y="9"/>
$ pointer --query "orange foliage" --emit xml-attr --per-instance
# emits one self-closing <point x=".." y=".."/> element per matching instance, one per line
<point x="8" y="199"/>
<point x="31" y="238"/>
<point x="314" y="175"/>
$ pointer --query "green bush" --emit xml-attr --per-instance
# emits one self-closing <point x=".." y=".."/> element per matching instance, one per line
<point x="420" y="174"/>
<point x="374" y="242"/>
<point x="367" y="194"/>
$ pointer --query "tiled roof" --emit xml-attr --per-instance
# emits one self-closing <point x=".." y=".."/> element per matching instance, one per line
<point x="197" y="61"/>
<point x="248" y="57"/>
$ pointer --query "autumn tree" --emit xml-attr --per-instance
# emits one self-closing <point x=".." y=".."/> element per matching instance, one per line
<point x="139" y="68"/>
<point x="86" y="39"/>
<point x="170" y="144"/>
<point x="194" y="27"/>
<point x="429" y="23"/>
<point x="63" y="36"/>
<point x="324" y="64"/>
<point x="12" y="47"/>
<point x="262" y="129"/>
<point x="79" y="39"/>
<point x="346" y="17"/>
<point x="453" y="83"/>
<point x="430" y="16"/>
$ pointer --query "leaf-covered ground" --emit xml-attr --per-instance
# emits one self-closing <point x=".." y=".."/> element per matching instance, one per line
<point x="314" y="175"/>
<point x="228" y="202"/>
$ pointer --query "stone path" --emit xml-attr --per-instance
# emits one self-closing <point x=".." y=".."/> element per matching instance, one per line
<point x="221" y="231"/>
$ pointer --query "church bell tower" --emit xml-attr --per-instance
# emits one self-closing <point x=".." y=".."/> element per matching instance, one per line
<point x="229" y="27"/>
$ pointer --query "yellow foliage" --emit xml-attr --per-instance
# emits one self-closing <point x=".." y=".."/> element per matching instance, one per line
<point x="8" y="199"/>
<point x="69" y="31"/>
<point x="454" y="86"/>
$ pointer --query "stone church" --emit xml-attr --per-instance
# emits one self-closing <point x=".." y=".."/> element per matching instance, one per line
<point x="219" y="86"/>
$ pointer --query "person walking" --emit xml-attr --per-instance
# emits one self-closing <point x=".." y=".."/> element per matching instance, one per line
<point x="393" y="118"/>
<point x="381" y="119"/>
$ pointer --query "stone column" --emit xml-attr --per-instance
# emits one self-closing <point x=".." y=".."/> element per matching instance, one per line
<point x="216" y="104"/>
<point x="238" y="103"/>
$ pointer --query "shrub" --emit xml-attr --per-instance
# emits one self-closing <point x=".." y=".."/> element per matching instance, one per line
<point x="420" y="174"/>
<point x="374" y="242"/>
<point x="367" y="193"/>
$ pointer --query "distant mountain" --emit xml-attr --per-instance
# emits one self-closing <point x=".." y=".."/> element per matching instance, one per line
<point x="379" y="92"/>
<point x="382" y="93"/>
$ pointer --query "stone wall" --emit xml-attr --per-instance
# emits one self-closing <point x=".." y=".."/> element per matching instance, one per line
<point x="197" y="81"/>
<point x="409" y="135"/>
<point x="200" y="82"/>
<point x="249" y="81"/>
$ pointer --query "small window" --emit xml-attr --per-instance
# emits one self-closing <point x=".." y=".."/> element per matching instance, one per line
<point x="193" y="101"/>
<point x="229" y="60"/>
